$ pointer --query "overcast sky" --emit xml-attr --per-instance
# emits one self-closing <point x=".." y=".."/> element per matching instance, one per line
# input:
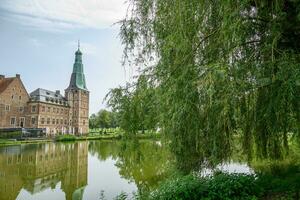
<point x="38" y="39"/>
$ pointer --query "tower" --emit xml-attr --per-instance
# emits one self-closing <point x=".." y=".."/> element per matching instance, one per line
<point x="77" y="95"/>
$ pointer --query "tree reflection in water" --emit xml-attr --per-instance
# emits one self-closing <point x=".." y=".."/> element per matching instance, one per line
<point x="144" y="162"/>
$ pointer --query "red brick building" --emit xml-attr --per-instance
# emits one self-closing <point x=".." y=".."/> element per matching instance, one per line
<point x="42" y="108"/>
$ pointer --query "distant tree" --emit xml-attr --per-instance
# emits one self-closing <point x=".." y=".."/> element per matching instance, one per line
<point x="104" y="119"/>
<point x="136" y="105"/>
<point x="93" y="121"/>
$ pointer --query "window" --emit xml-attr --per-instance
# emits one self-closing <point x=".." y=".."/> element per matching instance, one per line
<point x="43" y="108"/>
<point x="20" y="97"/>
<point x="12" y="96"/>
<point x="48" y="120"/>
<point x="43" y="121"/>
<point x="33" y="120"/>
<point x="13" y="121"/>
<point x="33" y="109"/>
<point x="57" y="121"/>
<point x="53" y="121"/>
<point x="7" y="107"/>
<point x="83" y="122"/>
<point x="49" y="109"/>
<point x="61" y="121"/>
<point x="66" y="122"/>
<point x="22" y="121"/>
<point x="54" y="110"/>
<point x="21" y="109"/>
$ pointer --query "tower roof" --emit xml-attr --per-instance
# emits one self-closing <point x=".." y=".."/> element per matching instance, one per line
<point x="78" y="78"/>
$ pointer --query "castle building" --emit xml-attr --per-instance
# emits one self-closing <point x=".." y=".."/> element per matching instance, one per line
<point x="52" y="111"/>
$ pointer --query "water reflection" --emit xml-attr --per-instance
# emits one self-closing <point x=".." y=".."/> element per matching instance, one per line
<point x="144" y="163"/>
<point x="36" y="168"/>
<point x="81" y="170"/>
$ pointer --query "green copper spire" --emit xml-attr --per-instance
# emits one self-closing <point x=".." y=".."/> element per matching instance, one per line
<point x="78" y="78"/>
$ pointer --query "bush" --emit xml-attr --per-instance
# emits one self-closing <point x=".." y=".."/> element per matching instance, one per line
<point x="10" y="135"/>
<point x="219" y="186"/>
<point x="65" y="138"/>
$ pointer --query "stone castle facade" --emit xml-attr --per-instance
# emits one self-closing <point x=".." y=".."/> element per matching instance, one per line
<point x="52" y="111"/>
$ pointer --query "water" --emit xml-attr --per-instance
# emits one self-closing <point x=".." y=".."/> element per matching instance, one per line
<point x="86" y="169"/>
<point x="80" y="170"/>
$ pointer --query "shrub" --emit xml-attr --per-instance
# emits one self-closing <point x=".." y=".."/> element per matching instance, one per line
<point x="64" y="138"/>
<point x="219" y="186"/>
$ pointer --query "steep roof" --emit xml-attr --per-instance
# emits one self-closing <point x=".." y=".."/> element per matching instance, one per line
<point x="78" y="78"/>
<point x="42" y="95"/>
<point x="4" y="83"/>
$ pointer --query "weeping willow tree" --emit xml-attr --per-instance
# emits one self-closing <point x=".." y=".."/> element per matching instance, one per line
<point x="135" y="105"/>
<point x="221" y="68"/>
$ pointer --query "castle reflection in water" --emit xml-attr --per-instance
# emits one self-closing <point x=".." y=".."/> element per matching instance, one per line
<point x="36" y="168"/>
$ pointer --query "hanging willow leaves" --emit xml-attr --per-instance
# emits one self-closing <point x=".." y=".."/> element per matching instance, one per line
<point x="223" y="68"/>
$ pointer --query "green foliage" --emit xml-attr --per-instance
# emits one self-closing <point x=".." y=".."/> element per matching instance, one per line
<point x="11" y="135"/>
<point x="223" y="186"/>
<point x="65" y="138"/>
<point x="103" y="119"/>
<point x="7" y="142"/>
<point x="219" y="68"/>
<point x="220" y="186"/>
<point x="135" y="105"/>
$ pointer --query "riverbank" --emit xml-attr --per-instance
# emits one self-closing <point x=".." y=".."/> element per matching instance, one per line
<point x="64" y="138"/>
<point x="225" y="186"/>
<point x="69" y="138"/>
<point x="9" y="142"/>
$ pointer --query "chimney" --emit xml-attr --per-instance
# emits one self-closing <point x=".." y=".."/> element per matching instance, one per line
<point x="57" y="92"/>
<point x="18" y="76"/>
<point x="2" y="76"/>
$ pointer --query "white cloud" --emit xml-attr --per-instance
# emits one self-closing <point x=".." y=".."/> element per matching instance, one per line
<point x="61" y="15"/>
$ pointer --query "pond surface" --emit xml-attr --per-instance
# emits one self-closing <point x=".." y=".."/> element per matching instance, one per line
<point x="82" y="170"/>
